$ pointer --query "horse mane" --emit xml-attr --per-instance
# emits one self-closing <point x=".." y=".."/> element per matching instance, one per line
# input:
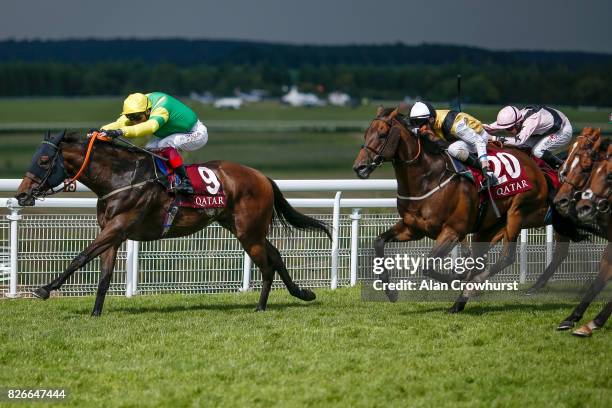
<point x="74" y="137"/>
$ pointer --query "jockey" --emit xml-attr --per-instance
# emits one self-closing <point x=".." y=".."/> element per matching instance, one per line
<point x="173" y="123"/>
<point x="539" y="127"/>
<point x="464" y="131"/>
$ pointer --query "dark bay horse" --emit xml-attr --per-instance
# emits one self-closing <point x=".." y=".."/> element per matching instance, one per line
<point x="136" y="207"/>
<point x="594" y="209"/>
<point x="434" y="202"/>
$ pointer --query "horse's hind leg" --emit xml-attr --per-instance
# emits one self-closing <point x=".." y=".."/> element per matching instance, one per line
<point x="259" y="254"/>
<point x="560" y="253"/>
<point x="277" y="262"/>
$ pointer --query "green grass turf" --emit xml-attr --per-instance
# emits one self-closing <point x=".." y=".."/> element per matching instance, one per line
<point x="213" y="350"/>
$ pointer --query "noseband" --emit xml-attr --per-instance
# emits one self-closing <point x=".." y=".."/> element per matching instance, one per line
<point x="379" y="157"/>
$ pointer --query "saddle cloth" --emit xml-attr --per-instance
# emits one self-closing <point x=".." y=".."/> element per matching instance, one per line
<point x="208" y="189"/>
<point x="511" y="177"/>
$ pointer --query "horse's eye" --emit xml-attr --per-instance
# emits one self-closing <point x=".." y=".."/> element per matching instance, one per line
<point x="44" y="160"/>
<point x="609" y="178"/>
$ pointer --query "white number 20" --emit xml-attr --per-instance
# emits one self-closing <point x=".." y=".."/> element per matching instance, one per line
<point x="210" y="179"/>
<point x="511" y="163"/>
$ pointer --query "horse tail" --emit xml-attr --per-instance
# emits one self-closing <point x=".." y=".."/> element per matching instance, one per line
<point x="287" y="215"/>
<point x="566" y="227"/>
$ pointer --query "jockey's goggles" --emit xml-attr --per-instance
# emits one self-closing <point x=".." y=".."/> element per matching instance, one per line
<point x="134" y="117"/>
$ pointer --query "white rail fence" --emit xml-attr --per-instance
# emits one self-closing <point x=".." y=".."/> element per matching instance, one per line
<point x="35" y="248"/>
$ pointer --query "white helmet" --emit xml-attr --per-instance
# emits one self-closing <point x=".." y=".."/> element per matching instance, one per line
<point x="421" y="111"/>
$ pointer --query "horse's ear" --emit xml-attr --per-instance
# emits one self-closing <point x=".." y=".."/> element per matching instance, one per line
<point x="404" y="108"/>
<point x="380" y="110"/>
<point x="394" y="113"/>
<point x="48" y="135"/>
<point x="597" y="132"/>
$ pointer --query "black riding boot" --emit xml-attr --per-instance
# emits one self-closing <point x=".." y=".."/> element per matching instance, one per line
<point x="184" y="186"/>
<point x="489" y="179"/>
<point x="552" y="160"/>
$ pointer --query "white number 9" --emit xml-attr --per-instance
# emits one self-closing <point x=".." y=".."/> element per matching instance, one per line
<point x="210" y="179"/>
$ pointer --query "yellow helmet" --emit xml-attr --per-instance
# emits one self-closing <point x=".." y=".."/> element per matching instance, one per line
<point x="136" y="103"/>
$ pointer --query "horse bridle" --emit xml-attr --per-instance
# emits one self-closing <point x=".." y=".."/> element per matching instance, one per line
<point x="600" y="200"/>
<point x="378" y="158"/>
<point x="38" y="192"/>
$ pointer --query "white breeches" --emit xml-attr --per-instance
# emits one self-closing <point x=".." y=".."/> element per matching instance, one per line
<point x="471" y="142"/>
<point x="552" y="142"/>
<point x="195" y="139"/>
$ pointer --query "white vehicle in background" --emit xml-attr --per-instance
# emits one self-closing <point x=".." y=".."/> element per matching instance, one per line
<point x="205" y="97"/>
<point x="228" y="103"/>
<point x="253" y="96"/>
<point x="339" y="99"/>
<point x="296" y="98"/>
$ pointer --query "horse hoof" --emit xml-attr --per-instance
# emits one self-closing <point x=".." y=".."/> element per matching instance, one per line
<point x="260" y="309"/>
<point x="41" y="293"/>
<point x="456" y="308"/>
<point x="392" y="295"/>
<point x="307" y="295"/>
<point x="531" y="291"/>
<point x="583" y="331"/>
<point x="565" y="325"/>
<point x="95" y="313"/>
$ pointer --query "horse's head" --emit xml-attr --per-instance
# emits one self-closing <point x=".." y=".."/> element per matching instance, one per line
<point x="596" y="196"/>
<point x="381" y="141"/>
<point x="46" y="171"/>
<point x="575" y="172"/>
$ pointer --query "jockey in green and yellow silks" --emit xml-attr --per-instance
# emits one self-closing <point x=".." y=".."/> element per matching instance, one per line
<point x="172" y="123"/>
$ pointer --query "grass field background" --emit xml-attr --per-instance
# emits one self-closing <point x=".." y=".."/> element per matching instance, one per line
<point x="213" y="350"/>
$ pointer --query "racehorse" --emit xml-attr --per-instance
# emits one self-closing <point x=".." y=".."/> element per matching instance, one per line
<point x="133" y="205"/>
<point x="433" y="201"/>
<point x="576" y="169"/>
<point x="594" y="209"/>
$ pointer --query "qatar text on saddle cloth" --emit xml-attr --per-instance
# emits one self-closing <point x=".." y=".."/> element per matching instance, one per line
<point x="208" y="189"/>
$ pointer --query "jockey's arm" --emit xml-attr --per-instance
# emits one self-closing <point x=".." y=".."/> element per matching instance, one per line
<point x="119" y="123"/>
<point x="142" y="129"/>
<point x="527" y="129"/>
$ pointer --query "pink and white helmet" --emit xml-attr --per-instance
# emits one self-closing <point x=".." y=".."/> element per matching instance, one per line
<point x="506" y="118"/>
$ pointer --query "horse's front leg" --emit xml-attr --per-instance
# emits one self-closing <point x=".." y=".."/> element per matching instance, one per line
<point x="605" y="273"/>
<point x="112" y="235"/>
<point x="400" y="232"/>
<point x="108" y="259"/>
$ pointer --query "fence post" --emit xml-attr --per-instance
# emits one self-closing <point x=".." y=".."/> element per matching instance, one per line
<point x="335" y="239"/>
<point x="523" y="256"/>
<point x="13" y="218"/>
<point x="549" y="244"/>
<point x="246" y="272"/>
<point x="355" y="217"/>
<point x="131" y="273"/>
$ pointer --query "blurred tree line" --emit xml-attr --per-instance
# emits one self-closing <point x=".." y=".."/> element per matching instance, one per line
<point x="488" y="77"/>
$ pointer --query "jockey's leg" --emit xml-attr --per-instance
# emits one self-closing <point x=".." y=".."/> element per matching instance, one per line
<point x="191" y="141"/>
<point x="475" y="142"/>
<point x="543" y="149"/>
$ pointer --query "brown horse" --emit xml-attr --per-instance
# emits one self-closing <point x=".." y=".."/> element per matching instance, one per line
<point x="132" y="205"/>
<point x="434" y="202"/>
<point x="576" y="170"/>
<point x="594" y="208"/>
